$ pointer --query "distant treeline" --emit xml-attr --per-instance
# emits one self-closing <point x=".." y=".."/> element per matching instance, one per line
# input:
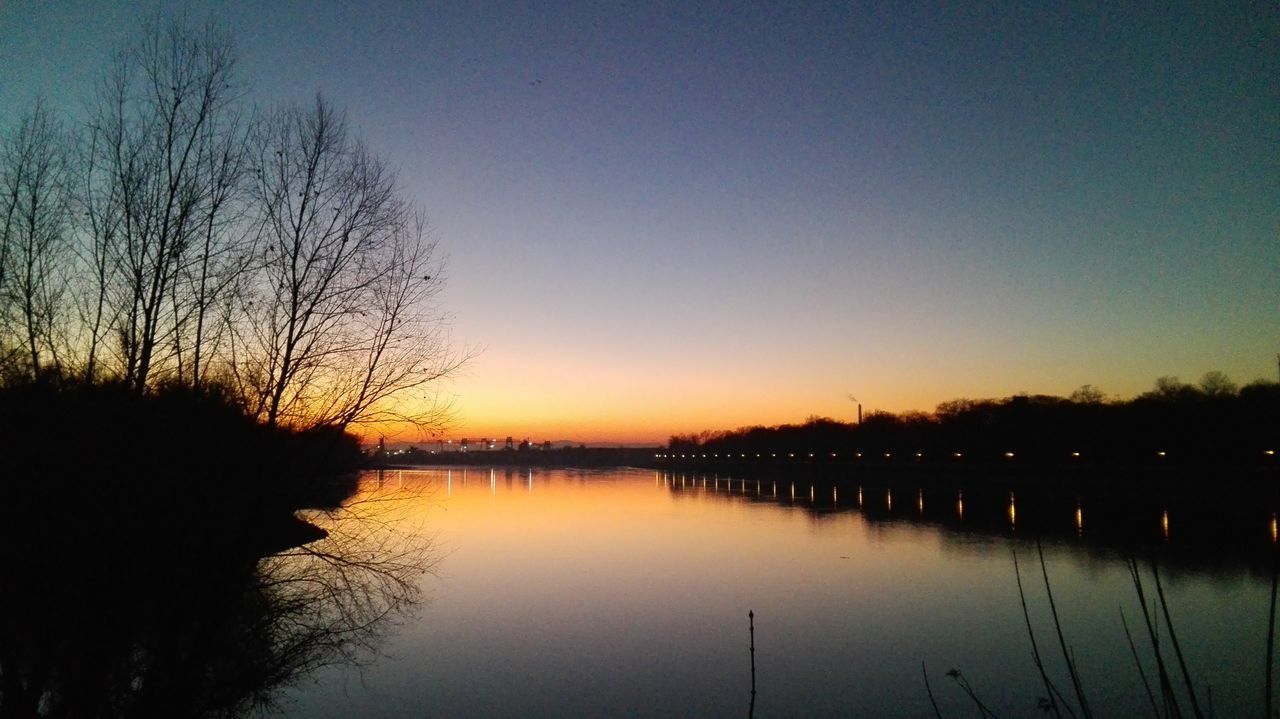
<point x="1213" y="422"/>
<point x="581" y="456"/>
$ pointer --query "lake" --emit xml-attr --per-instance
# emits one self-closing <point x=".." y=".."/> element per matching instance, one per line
<point x="563" y="593"/>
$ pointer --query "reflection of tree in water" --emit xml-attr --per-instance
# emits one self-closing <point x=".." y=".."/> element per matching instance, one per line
<point x="115" y="622"/>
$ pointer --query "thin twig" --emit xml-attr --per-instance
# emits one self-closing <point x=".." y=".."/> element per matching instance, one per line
<point x="751" y="623"/>
<point x="929" y="690"/>
<point x="1062" y="642"/>
<point x="1035" y="649"/>
<point x="1166" y="686"/>
<point x="1133" y="649"/>
<point x="1271" y="633"/>
<point x="964" y="685"/>
<point x="1173" y="637"/>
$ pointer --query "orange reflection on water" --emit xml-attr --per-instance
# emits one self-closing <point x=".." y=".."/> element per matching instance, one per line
<point x="1275" y="531"/>
<point x="1164" y="523"/>
<point x="888" y="499"/>
<point x="920" y="500"/>
<point x="1013" y="512"/>
<point x="1079" y="519"/>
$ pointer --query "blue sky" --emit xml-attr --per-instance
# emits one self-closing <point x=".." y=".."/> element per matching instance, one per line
<point x="663" y="217"/>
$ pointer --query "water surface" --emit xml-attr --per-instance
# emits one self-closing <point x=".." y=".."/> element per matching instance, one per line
<point x="625" y="593"/>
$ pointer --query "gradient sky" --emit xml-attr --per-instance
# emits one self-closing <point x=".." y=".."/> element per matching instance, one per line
<point x="666" y="217"/>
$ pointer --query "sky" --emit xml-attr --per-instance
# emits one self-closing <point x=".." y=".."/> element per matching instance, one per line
<point x="666" y="217"/>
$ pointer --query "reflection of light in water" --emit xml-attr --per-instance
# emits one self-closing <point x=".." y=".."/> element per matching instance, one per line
<point x="1164" y="523"/>
<point x="1274" y="533"/>
<point x="531" y="481"/>
<point x="811" y="494"/>
<point x="835" y="498"/>
<point x="1079" y="519"/>
<point x="920" y="500"/>
<point x="888" y="499"/>
<point x="757" y="488"/>
<point x="793" y="491"/>
<point x="493" y="481"/>
<point x="448" y="483"/>
<point x="859" y="497"/>
<point x="960" y="505"/>
<point x="775" y="490"/>
<point x="1013" y="512"/>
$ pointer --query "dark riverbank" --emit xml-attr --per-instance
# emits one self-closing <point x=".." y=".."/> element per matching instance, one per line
<point x="153" y="563"/>
<point x="176" y="466"/>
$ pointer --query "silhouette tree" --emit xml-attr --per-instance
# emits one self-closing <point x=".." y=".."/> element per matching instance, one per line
<point x="338" y="323"/>
<point x="158" y="180"/>
<point x="1218" y="384"/>
<point x="1087" y="394"/>
<point x="34" y="249"/>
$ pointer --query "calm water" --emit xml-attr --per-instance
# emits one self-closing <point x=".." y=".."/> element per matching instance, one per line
<point x="625" y="593"/>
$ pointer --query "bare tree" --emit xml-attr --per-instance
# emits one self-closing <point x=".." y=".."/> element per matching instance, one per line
<point x="34" y="228"/>
<point x="276" y="252"/>
<point x="341" y="323"/>
<point x="158" y="180"/>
